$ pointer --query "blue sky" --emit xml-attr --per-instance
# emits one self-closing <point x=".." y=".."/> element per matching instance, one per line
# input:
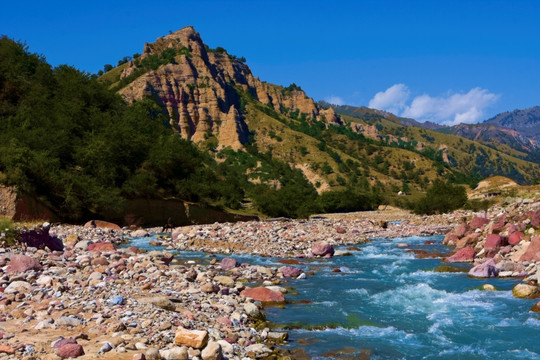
<point x="444" y="61"/>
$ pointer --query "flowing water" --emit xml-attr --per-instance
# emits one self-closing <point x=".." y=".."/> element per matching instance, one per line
<point x="388" y="302"/>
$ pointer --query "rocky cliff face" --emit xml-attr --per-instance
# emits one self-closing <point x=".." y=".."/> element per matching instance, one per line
<point x="200" y="90"/>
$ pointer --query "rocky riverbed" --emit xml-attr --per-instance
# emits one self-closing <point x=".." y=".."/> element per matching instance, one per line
<point x="96" y="299"/>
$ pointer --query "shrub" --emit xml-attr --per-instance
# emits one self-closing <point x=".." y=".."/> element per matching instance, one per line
<point x="441" y="197"/>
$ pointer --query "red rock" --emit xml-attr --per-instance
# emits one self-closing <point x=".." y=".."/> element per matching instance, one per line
<point x="102" y="225"/>
<point x="70" y="351"/>
<point x="536" y="307"/>
<point x="515" y="238"/>
<point x="533" y="251"/>
<point x="321" y="248"/>
<point x="21" y="264"/>
<point x="450" y="238"/>
<point x="99" y="261"/>
<point x="263" y="294"/>
<point x="103" y="246"/>
<point x="6" y="349"/>
<point x="498" y="225"/>
<point x="139" y="357"/>
<point x="463" y="255"/>
<point x="478" y="222"/>
<point x="228" y="263"/>
<point x="63" y="342"/>
<point x="289" y="271"/>
<point x="494" y="241"/>
<point x="340" y="230"/>
<point x="289" y="261"/>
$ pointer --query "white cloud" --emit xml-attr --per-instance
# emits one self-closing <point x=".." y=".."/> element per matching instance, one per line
<point x="451" y="109"/>
<point x="336" y="100"/>
<point x="392" y="99"/>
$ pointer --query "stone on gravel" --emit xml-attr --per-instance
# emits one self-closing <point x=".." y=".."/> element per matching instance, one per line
<point x="102" y="225"/>
<point x="6" y="349"/>
<point x="102" y="246"/>
<point x="225" y="281"/>
<point x="70" y="351"/>
<point x="515" y="238"/>
<point x="175" y="353"/>
<point x="228" y="263"/>
<point x="192" y="338"/>
<point x="212" y="351"/>
<point x="160" y="301"/>
<point x="21" y="287"/>
<point x="22" y="264"/>
<point x="252" y="310"/>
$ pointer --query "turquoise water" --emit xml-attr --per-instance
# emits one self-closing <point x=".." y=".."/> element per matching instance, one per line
<point x="389" y="302"/>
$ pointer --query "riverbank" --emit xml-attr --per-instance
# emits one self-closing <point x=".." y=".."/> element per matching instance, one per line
<point x="115" y="302"/>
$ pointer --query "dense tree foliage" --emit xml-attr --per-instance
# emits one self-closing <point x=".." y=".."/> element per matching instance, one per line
<point x="441" y="197"/>
<point x="70" y="140"/>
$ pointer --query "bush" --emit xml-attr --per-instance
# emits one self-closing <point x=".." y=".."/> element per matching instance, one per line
<point x="441" y="197"/>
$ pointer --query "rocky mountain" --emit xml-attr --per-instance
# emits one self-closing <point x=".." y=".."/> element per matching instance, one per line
<point x="212" y="98"/>
<point x="200" y="88"/>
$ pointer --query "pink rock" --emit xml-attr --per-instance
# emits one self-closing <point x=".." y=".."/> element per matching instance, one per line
<point x="103" y="246"/>
<point x="494" y="241"/>
<point x="228" y="263"/>
<point x="484" y="270"/>
<point x="340" y="230"/>
<point x="263" y="294"/>
<point x="461" y="230"/>
<point x="225" y="321"/>
<point x="290" y="271"/>
<point x="498" y="225"/>
<point x="463" y="255"/>
<point x="321" y="248"/>
<point x="515" y="238"/>
<point x="21" y="264"/>
<point x="533" y="251"/>
<point x="6" y="349"/>
<point x="450" y="238"/>
<point x="478" y="222"/>
<point x="470" y="239"/>
<point x="63" y="342"/>
<point x="100" y="261"/>
<point x="70" y="351"/>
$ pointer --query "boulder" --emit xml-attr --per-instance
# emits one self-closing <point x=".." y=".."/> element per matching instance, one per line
<point x="290" y="271"/>
<point x="533" y="251"/>
<point x="252" y="310"/>
<point x="70" y="351"/>
<point x="515" y="238"/>
<point x="494" y="241"/>
<point x="461" y="230"/>
<point x="228" y="263"/>
<point x="525" y="291"/>
<point x="21" y="287"/>
<point x="487" y="269"/>
<point x="263" y="294"/>
<point x="212" y="351"/>
<point x="463" y="255"/>
<point x="21" y="264"/>
<point x="102" y="246"/>
<point x="209" y="288"/>
<point x="196" y="339"/>
<point x="478" y="222"/>
<point x="322" y="248"/>
<point x="102" y="225"/>
<point x="58" y="344"/>
<point x="469" y="239"/>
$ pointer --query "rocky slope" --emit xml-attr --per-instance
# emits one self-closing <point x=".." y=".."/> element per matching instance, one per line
<point x="200" y="90"/>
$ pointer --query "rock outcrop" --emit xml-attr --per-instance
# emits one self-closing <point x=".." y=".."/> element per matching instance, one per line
<point x="200" y="90"/>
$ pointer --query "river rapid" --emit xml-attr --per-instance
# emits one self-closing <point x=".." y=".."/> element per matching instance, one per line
<point x="383" y="301"/>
